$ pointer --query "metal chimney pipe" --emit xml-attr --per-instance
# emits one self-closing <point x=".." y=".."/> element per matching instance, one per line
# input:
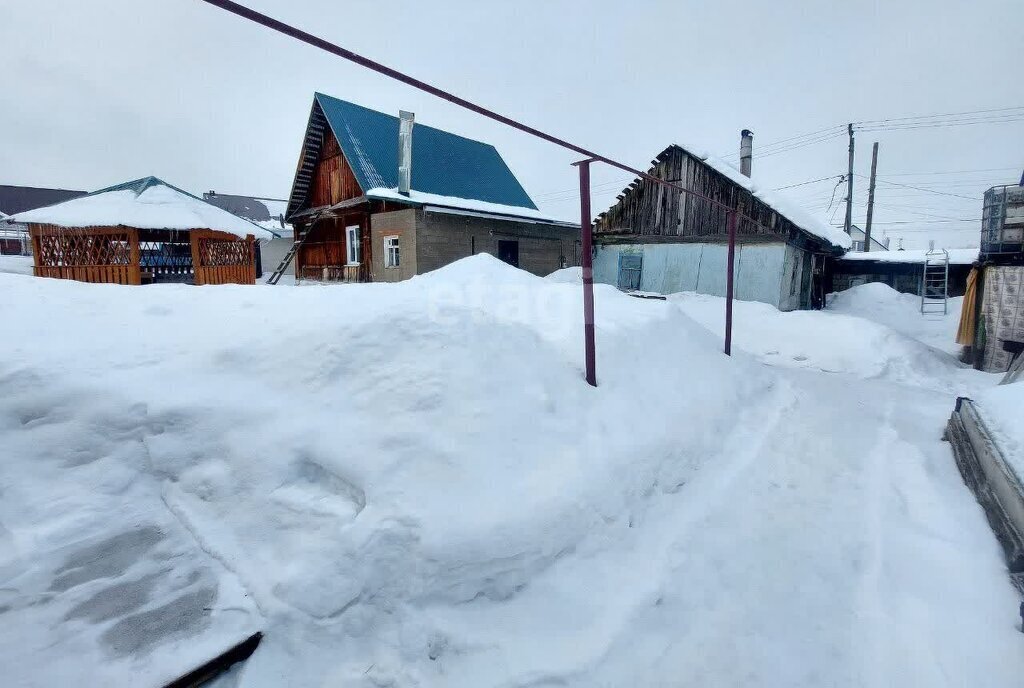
<point x="746" y="151"/>
<point x="405" y="122"/>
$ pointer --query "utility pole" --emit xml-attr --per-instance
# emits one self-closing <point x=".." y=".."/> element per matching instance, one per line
<point x="871" y="197"/>
<point x="849" y="184"/>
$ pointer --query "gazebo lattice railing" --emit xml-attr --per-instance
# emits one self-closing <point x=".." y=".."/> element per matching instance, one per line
<point x="125" y="255"/>
<point x="98" y="254"/>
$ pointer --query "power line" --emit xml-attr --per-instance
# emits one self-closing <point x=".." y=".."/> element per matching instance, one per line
<point x="989" y="116"/>
<point x="913" y="211"/>
<point x="793" y="143"/>
<point x="922" y="222"/>
<point x="920" y="188"/>
<point x="795" y="146"/>
<point x="947" y="114"/>
<point x="597" y="187"/>
<point x="812" y="181"/>
<point x="934" y="125"/>
<point x="922" y="174"/>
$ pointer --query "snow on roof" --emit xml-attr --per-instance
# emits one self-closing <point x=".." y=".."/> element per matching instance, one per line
<point x="423" y="198"/>
<point x="957" y="256"/>
<point x="785" y="206"/>
<point x="147" y="203"/>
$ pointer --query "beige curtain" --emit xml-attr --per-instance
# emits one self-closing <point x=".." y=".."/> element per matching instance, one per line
<point x="968" y="312"/>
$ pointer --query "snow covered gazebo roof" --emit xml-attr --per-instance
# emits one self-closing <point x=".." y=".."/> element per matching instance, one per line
<point x="147" y="203"/>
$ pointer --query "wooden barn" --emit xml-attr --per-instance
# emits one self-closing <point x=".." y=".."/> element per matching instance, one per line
<point x="659" y="240"/>
<point x="377" y="198"/>
<point x="142" y="232"/>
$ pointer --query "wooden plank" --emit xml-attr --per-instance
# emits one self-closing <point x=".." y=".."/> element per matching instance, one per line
<point x="135" y="258"/>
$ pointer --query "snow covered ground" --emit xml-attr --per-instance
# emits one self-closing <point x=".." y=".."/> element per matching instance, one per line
<point x="411" y="485"/>
<point x="16" y="265"/>
<point x="1002" y="408"/>
<point x="901" y="312"/>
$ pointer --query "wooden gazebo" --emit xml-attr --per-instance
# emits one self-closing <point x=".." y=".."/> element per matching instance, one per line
<point x="142" y="232"/>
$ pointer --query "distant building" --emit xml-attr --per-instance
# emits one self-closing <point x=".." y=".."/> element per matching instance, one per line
<point x="992" y="324"/>
<point x="14" y="238"/>
<point x="660" y="240"/>
<point x="857" y="236"/>
<point x="377" y="199"/>
<point x="265" y="212"/>
<point x="901" y="270"/>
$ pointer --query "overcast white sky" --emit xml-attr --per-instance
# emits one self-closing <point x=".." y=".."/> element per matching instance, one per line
<point x="95" y="93"/>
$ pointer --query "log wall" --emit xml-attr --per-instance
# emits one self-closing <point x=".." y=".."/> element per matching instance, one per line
<point x="658" y="213"/>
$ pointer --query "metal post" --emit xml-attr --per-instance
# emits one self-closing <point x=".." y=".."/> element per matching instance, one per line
<point x="731" y="221"/>
<point x="587" y="265"/>
<point x="849" y="185"/>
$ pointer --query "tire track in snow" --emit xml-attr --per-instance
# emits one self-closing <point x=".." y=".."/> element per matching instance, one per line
<point x="704" y="493"/>
<point x="869" y="605"/>
<point x="891" y="640"/>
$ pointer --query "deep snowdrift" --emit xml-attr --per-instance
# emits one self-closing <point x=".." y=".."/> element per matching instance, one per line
<point x="871" y="333"/>
<point x="411" y="484"/>
<point x="16" y="265"/>
<point x="882" y="304"/>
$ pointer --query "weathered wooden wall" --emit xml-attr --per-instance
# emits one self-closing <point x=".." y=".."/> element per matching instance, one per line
<point x="658" y="213"/>
<point x="324" y="254"/>
<point x="333" y="180"/>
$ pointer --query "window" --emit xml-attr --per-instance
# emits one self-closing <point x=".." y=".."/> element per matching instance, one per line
<point x="630" y="267"/>
<point x="352" y="245"/>
<point x="391" y="256"/>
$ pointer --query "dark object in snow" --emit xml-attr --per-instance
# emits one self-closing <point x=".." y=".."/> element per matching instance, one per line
<point x="219" y="664"/>
<point x="1022" y="616"/>
<point x="995" y="485"/>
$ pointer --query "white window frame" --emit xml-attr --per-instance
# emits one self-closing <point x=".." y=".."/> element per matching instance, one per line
<point x="388" y="261"/>
<point x="353" y="247"/>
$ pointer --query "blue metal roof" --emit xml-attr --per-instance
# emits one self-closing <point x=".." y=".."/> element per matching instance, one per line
<point x="442" y="163"/>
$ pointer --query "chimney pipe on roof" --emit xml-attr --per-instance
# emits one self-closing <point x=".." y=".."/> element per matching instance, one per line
<point x="405" y="122"/>
<point x="746" y="151"/>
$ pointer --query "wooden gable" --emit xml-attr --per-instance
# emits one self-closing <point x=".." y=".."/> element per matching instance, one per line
<point x="660" y="214"/>
<point x="333" y="180"/>
<point x="323" y="176"/>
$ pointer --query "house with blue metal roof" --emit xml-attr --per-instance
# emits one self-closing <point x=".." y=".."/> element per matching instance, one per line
<point x="382" y="198"/>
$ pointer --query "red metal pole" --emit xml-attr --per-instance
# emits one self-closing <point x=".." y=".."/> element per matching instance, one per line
<point x="587" y="261"/>
<point x="731" y="221"/>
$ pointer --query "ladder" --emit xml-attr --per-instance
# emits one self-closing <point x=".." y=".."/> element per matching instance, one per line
<point x="935" y="283"/>
<point x="286" y="260"/>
